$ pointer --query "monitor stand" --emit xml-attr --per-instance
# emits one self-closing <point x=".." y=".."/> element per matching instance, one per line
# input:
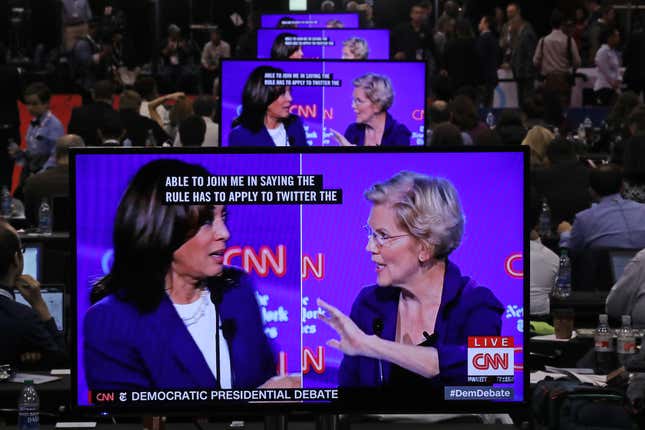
<point x="154" y="422"/>
<point x="281" y="422"/>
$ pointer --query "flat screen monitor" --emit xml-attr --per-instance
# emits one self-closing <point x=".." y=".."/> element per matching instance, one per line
<point x="326" y="43"/>
<point x="54" y="298"/>
<point x="309" y="20"/>
<point x="618" y="259"/>
<point x="293" y="250"/>
<point x="32" y="257"/>
<point x="322" y="98"/>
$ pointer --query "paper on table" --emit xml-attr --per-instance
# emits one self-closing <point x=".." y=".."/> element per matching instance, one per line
<point x="583" y="375"/>
<point x="540" y="375"/>
<point x="551" y="337"/>
<point x="579" y="370"/>
<point x="36" y="378"/>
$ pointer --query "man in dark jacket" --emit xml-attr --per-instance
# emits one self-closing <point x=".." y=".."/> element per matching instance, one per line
<point x="634" y="60"/>
<point x="88" y="119"/>
<point x="9" y="117"/>
<point x="29" y="336"/>
<point x="522" y="59"/>
<point x="487" y="48"/>
<point x="52" y="182"/>
<point x="565" y="183"/>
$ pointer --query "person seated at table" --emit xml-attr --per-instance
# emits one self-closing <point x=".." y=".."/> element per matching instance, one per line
<point x="613" y="222"/>
<point x="627" y="296"/>
<point x="544" y="262"/>
<point x="28" y="335"/>
<point x="564" y="181"/>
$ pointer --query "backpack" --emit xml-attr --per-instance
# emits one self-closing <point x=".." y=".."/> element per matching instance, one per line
<point x="567" y="404"/>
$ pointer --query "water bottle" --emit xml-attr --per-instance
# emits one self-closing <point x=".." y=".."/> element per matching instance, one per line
<point x="490" y="120"/>
<point x="5" y="202"/>
<point x="603" y="346"/>
<point x="582" y="133"/>
<point x="587" y="123"/>
<point x="44" y="217"/>
<point x="544" y="223"/>
<point x="562" y="287"/>
<point x="626" y="341"/>
<point x="28" y="406"/>
<point x="150" y="139"/>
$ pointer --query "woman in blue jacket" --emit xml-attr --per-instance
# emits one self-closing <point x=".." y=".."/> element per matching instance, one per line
<point x="265" y="119"/>
<point x="412" y="327"/>
<point x="373" y="95"/>
<point x="155" y="321"/>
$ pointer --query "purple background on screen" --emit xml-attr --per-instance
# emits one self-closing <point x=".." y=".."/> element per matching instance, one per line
<point x="349" y="20"/>
<point x="378" y="42"/>
<point x="490" y="186"/>
<point x="322" y="108"/>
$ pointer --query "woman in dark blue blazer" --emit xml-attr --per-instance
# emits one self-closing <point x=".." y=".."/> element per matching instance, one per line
<point x="372" y="97"/>
<point x="412" y="327"/>
<point x="265" y="118"/>
<point x="157" y="317"/>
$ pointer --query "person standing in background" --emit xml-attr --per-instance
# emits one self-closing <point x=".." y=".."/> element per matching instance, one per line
<point x="9" y="115"/>
<point x="413" y="40"/>
<point x="214" y="50"/>
<point x="41" y="136"/>
<point x="608" y="64"/>
<point x="76" y="16"/>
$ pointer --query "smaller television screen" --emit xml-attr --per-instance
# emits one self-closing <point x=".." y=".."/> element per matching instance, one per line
<point x="53" y="297"/>
<point x="354" y="44"/>
<point x="321" y="102"/>
<point x="309" y="20"/>
<point x="31" y="258"/>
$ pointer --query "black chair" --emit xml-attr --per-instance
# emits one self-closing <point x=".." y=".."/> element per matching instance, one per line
<point x="61" y="211"/>
<point x="597" y="269"/>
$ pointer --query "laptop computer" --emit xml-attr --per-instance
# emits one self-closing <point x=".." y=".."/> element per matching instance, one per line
<point x="32" y="258"/>
<point x="618" y="260"/>
<point x="54" y="297"/>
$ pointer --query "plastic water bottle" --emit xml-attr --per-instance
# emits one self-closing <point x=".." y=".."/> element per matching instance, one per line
<point x="544" y="222"/>
<point x="603" y="346"/>
<point x="28" y="407"/>
<point x="5" y="202"/>
<point x="44" y="217"/>
<point x="582" y="133"/>
<point x="587" y="123"/>
<point x="490" y="120"/>
<point x="150" y="139"/>
<point x="626" y="341"/>
<point x="562" y="287"/>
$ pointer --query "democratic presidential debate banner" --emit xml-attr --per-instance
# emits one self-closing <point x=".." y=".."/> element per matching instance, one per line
<point x="328" y="43"/>
<point x="323" y="97"/>
<point x="309" y="20"/>
<point x="296" y="224"/>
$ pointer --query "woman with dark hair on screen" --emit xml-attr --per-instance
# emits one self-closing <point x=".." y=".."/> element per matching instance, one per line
<point x="373" y="95"/>
<point x="412" y="327"/>
<point x="265" y="119"/>
<point x="154" y="321"/>
<point x="284" y="48"/>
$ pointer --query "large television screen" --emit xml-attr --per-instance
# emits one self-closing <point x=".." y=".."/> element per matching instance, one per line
<point x="317" y="97"/>
<point x="354" y="44"/>
<point x="309" y="20"/>
<point x="325" y="279"/>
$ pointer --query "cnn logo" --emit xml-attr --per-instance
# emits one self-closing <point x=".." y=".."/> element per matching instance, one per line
<point x="491" y="356"/>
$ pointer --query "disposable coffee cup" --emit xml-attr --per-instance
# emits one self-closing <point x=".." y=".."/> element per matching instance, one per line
<point x="563" y="323"/>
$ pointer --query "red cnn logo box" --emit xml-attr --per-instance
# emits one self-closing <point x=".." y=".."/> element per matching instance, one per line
<point x="491" y="356"/>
